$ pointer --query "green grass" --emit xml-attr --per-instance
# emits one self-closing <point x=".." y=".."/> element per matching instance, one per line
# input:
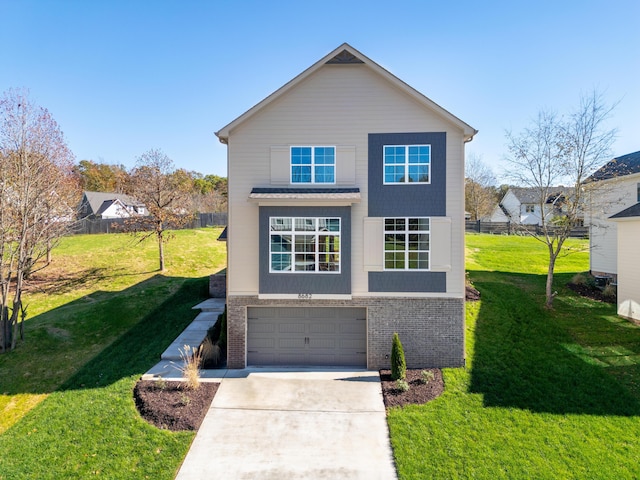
<point x="66" y="407"/>
<point x="545" y="394"/>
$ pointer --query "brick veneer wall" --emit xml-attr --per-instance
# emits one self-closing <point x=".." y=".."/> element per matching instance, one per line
<point x="431" y="329"/>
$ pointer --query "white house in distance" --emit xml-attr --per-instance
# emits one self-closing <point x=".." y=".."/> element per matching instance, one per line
<point x="346" y="222"/>
<point x="109" y="205"/>
<point x="521" y="205"/>
<point x="613" y="216"/>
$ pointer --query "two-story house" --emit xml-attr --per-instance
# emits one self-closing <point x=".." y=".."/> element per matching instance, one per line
<point x="613" y="216"/>
<point x="529" y="205"/>
<point x="611" y="189"/>
<point x="346" y="222"/>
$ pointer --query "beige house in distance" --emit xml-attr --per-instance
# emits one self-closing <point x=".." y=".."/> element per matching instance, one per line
<point x="346" y="222"/>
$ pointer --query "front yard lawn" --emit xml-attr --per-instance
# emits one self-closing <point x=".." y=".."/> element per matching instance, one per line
<point x="544" y="395"/>
<point x="66" y="403"/>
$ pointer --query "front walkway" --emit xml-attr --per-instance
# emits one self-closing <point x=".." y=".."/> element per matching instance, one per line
<point x="293" y="424"/>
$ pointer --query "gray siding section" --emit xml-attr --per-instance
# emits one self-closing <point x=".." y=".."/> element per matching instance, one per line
<point x="411" y="199"/>
<point x="317" y="283"/>
<point x="407" y="281"/>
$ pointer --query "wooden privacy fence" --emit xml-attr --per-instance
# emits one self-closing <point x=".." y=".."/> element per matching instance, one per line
<point x="509" y="228"/>
<point x="114" y="225"/>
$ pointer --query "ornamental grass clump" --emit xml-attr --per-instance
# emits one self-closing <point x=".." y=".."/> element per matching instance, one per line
<point x="190" y="367"/>
<point x="398" y="362"/>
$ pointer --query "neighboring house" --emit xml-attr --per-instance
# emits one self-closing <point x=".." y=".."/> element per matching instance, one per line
<point x="611" y="189"/>
<point x="346" y="222"/>
<point x="628" y="233"/>
<point x="522" y="205"/>
<point x="109" y="205"/>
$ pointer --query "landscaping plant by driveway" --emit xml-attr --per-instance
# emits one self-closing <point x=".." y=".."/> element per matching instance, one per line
<point x="546" y="394"/>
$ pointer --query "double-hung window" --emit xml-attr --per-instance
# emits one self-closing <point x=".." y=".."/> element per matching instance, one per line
<point x="407" y="164"/>
<point x="406" y="243"/>
<point x="313" y="165"/>
<point x="304" y="244"/>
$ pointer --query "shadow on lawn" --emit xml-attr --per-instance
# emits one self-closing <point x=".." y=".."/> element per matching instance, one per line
<point x="138" y="349"/>
<point x="61" y="333"/>
<point x="525" y="356"/>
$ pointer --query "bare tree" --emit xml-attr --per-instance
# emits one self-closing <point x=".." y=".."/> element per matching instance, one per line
<point x="39" y="195"/>
<point x="479" y="188"/>
<point x="554" y="151"/>
<point x="166" y="193"/>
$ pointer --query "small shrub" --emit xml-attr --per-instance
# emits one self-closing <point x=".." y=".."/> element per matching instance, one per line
<point x="609" y="291"/>
<point x="222" y="339"/>
<point x="398" y="362"/>
<point x="210" y="353"/>
<point x="161" y="384"/>
<point x="427" y="376"/>
<point x="190" y="366"/>
<point x="402" y="385"/>
<point x="579" y="279"/>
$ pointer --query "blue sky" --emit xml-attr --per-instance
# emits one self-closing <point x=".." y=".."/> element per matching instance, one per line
<point x="121" y="77"/>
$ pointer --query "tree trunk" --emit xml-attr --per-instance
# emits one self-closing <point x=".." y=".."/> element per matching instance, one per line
<point x="161" y="251"/>
<point x="549" y="288"/>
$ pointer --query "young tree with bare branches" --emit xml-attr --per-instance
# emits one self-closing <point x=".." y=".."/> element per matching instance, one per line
<point x="166" y="193"/>
<point x="556" y="151"/>
<point x="39" y="194"/>
<point x="479" y="184"/>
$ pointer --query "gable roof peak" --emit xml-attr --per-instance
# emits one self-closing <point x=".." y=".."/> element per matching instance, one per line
<point x="345" y="54"/>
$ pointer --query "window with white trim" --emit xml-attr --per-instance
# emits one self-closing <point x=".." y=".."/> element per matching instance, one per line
<point x="313" y="165"/>
<point x="406" y="243"/>
<point x="407" y="164"/>
<point x="529" y="208"/>
<point x="304" y="245"/>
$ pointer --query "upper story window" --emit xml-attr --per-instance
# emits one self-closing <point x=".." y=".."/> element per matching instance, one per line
<point x="529" y="208"/>
<point x="407" y="164"/>
<point x="304" y="244"/>
<point x="406" y="243"/>
<point x="313" y="165"/>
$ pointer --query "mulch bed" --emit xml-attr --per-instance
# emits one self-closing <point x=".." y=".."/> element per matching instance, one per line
<point x="173" y="406"/>
<point x="418" y="393"/>
<point x="590" y="292"/>
<point x="471" y="294"/>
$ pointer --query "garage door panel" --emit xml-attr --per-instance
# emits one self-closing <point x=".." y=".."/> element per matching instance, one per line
<point x="261" y="343"/>
<point x="292" y="327"/>
<point x="322" y="336"/>
<point x="291" y="343"/>
<point x="323" y="343"/>
<point x="328" y="328"/>
<point x="259" y="328"/>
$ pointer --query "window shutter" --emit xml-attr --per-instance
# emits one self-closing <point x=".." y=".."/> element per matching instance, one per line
<point x="280" y="165"/>
<point x="373" y="244"/>
<point x="440" y="244"/>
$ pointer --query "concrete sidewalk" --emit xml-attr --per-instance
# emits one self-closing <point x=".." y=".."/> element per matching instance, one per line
<point x="287" y="424"/>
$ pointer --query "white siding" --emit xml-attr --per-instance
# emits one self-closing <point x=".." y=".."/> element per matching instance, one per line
<point x="337" y="105"/>
<point x="603" y="200"/>
<point x="512" y="205"/>
<point x="629" y="268"/>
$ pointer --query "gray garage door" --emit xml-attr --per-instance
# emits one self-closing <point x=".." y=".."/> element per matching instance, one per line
<point x="307" y="336"/>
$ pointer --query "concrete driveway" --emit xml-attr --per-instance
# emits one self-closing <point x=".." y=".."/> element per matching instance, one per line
<point x="266" y="424"/>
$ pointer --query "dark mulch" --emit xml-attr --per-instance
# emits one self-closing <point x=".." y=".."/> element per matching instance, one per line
<point x="418" y="393"/>
<point x="472" y="295"/>
<point x="590" y="291"/>
<point x="173" y="406"/>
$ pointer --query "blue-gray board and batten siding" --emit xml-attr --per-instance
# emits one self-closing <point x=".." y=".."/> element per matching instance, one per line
<point x="409" y="200"/>
<point x="304" y="283"/>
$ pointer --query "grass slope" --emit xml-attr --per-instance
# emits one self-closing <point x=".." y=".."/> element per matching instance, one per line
<point x="80" y="360"/>
<point x="545" y="394"/>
